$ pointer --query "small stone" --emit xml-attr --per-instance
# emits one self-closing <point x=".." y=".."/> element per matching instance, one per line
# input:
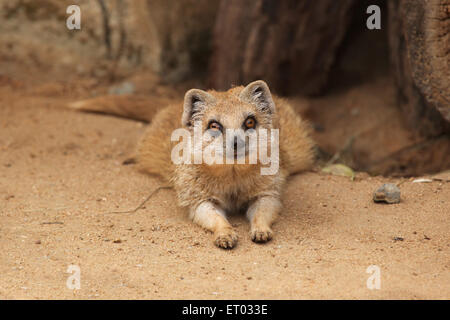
<point x="388" y="193"/>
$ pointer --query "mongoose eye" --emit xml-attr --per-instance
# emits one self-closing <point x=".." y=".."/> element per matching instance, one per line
<point x="213" y="125"/>
<point x="250" y="123"/>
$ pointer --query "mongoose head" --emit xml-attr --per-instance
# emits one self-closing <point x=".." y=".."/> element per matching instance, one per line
<point x="243" y="110"/>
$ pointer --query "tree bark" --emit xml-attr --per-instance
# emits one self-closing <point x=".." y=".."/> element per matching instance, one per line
<point x="178" y="34"/>
<point x="419" y="39"/>
<point x="290" y="44"/>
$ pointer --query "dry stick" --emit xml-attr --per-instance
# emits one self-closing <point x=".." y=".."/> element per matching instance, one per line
<point x="143" y="202"/>
<point x="347" y="146"/>
<point x="401" y="182"/>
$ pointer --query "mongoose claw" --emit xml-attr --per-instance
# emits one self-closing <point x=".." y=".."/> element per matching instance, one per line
<point x="258" y="235"/>
<point x="226" y="240"/>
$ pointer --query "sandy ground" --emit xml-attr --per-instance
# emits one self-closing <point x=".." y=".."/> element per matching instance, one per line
<point x="61" y="174"/>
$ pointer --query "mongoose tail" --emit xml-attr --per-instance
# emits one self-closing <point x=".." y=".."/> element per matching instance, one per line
<point x="136" y="107"/>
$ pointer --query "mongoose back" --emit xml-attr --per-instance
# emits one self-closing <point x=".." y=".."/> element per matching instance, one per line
<point x="210" y="191"/>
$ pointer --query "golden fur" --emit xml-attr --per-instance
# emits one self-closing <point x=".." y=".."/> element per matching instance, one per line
<point x="209" y="192"/>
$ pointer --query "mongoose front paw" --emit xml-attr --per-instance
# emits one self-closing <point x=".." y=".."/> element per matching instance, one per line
<point x="261" y="235"/>
<point x="226" y="239"/>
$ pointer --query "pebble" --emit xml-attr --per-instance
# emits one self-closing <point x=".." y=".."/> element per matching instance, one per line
<point x="388" y="193"/>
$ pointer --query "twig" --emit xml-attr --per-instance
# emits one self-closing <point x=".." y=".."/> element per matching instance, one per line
<point x="347" y="146"/>
<point x="401" y="182"/>
<point x="143" y="202"/>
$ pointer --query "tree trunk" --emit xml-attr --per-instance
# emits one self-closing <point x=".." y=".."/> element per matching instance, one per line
<point x="290" y="44"/>
<point x="419" y="39"/>
<point x="178" y="34"/>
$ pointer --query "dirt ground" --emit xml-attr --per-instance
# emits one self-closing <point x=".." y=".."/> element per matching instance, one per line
<point x="61" y="176"/>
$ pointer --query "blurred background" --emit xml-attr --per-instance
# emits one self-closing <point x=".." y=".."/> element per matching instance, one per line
<point x="378" y="100"/>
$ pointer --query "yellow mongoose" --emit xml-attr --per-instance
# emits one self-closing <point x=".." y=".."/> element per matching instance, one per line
<point x="210" y="191"/>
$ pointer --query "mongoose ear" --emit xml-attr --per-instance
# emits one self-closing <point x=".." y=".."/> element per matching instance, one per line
<point x="259" y="94"/>
<point x="195" y="102"/>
